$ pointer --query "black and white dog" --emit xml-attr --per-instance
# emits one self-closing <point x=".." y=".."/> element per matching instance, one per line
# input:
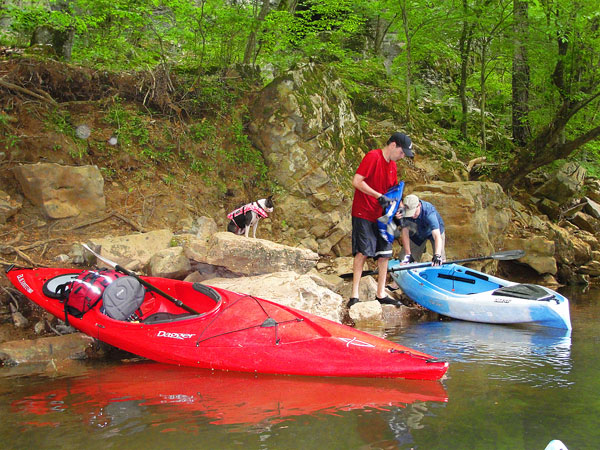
<point x="248" y="216"/>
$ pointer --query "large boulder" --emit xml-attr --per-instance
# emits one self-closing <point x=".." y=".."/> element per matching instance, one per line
<point x="564" y="184"/>
<point x="311" y="139"/>
<point x="62" y="191"/>
<point x="133" y="251"/>
<point x="307" y="292"/>
<point x="476" y="215"/>
<point x="539" y="253"/>
<point x="169" y="263"/>
<point x="592" y="208"/>
<point x="70" y="346"/>
<point x="248" y="256"/>
<point x="571" y="247"/>
<point x="586" y="222"/>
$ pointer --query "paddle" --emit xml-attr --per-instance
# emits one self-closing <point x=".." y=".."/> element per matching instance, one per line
<point x="500" y="256"/>
<point x="148" y="286"/>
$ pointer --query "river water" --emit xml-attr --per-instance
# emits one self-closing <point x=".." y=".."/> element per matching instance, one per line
<point x="507" y="388"/>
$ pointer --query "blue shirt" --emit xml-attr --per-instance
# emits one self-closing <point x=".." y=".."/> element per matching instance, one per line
<point x="428" y="220"/>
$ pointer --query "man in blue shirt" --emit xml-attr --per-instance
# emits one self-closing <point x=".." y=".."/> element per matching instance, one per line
<point x="421" y="223"/>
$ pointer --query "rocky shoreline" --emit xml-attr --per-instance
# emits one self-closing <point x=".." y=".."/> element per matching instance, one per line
<point x="311" y="141"/>
<point x="480" y="213"/>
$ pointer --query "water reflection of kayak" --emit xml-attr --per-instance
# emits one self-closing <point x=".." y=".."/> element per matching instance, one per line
<point x="514" y="339"/>
<point x="223" y="398"/>
<point x="523" y="353"/>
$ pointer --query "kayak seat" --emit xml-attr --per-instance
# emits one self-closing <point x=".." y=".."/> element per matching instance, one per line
<point x="525" y="291"/>
<point x="162" y="317"/>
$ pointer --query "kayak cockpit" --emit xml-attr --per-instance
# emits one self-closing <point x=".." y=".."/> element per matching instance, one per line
<point x="458" y="281"/>
<point x="469" y="282"/>
<point x="128" y="298"/>
<point x="169" y="312"/>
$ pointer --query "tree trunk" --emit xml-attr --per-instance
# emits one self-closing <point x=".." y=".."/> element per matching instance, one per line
<point x="520" y="75"/>
<point x="549" y="145"/>
<point x="466" y="38"/>
<point x="288" y="5"/>
<point x="380" y="31"/>
<point x="60" y="40"/>
<point x="482" y="105"/>
<point x="249" y="54"/>
<point x="408" y="60"/>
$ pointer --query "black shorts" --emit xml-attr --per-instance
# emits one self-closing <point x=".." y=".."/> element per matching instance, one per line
<point x="367" y="240"/>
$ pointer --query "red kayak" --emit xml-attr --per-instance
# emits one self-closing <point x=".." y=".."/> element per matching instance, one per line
<point x="191" y="324"/>
<point x="224" y="397"/>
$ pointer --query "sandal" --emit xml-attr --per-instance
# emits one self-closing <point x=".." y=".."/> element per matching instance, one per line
<point x="390" y="288"/>
<point x="352" y="301"/>
<point x="388" y="301"/>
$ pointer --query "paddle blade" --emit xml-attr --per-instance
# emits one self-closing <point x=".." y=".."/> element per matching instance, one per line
<point x="508" y="255"/>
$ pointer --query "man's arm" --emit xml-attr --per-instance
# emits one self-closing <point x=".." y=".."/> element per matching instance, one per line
<point x="406" y="242"/>
<point x="437" y="239"/>
<point x="359" y="183"/>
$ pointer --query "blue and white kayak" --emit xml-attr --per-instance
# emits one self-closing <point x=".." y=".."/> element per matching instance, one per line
<point x="466" y="294"/>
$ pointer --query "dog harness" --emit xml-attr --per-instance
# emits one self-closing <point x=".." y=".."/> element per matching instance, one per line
<point x="254" y="207"/>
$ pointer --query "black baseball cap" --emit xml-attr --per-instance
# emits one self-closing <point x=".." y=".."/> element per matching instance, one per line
<point x="403" y="141"/>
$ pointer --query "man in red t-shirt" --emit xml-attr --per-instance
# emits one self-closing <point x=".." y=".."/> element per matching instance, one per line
<point x="375" y="175"/>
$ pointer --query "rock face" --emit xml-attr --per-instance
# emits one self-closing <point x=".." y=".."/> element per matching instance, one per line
<point x="475" y="214"/>
<point x="306" y="292"/>
<point x="248" y="256"/>
<point x="539" y="253"/>
<point x="8" y="206"/>
<point x="135" y="250"/>
<point x="307" y="131"/>
<point x="62" y="191"/>
<point x="70" y="346"/>
<point x="564" y="184"/>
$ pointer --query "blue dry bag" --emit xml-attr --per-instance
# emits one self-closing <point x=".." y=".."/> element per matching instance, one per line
<point x="385" y="223"/>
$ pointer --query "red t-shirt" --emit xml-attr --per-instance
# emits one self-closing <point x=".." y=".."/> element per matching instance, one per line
<point x="381" y="176"/>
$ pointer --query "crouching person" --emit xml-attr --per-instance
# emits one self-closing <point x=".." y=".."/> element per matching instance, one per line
<point x="421" y="223"/>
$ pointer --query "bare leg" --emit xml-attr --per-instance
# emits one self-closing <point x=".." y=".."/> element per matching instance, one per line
<point x="382" y="266"/>
<point x="357" y="269"/>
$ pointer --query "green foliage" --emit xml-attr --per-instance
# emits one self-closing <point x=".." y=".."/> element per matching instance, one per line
<point x="169" y="179"/>
<point x="9" y="138"/>
<point x="589" y="157"/>
<point x="108" y="173"/>
<point x="203" y="131"/>
<point x="129" y="127"/>
<point x="203" y="40"/>
<point x="60" y="122"/>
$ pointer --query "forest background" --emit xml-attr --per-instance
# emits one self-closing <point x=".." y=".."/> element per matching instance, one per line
<point x="515" y="81"/>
